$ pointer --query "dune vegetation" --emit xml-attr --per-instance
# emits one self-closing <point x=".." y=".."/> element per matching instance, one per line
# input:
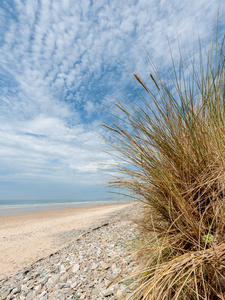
<point x="170" y="140"/>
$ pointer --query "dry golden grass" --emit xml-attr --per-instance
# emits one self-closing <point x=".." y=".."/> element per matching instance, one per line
<point x="173" y="148"/>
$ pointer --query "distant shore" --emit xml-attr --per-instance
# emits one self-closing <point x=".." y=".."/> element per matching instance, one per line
<point x="25" y="238"/>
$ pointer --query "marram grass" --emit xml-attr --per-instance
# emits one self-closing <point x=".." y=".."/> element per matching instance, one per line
<point x="173" y="146"/>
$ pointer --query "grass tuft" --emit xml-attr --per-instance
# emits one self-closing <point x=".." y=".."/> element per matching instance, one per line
<point x="172" y="143"/>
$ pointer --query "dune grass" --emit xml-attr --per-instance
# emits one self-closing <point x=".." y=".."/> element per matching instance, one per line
<point x="172" y="148"/>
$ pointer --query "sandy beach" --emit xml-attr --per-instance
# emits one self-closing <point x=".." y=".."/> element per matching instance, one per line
<point x="26" y="238"/>
<point x="95" y="264"/>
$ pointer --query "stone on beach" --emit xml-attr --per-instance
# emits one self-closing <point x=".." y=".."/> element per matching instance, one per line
<point x="85" y="269"/>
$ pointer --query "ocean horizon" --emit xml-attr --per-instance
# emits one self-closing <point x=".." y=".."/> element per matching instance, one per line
<point x="15" y="207"/>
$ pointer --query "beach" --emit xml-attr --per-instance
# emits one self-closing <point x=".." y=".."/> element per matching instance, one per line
<point x="67" y="254"/>
<point x="25" y="238"/>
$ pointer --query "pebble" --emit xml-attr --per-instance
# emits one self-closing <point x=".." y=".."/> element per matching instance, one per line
<point x="90" y="267"/>
<point x="3" y="296"/>
<point x="76" y="268"/>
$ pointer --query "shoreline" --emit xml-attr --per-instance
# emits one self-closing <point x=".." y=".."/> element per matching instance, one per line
<point x="26" y="238"/>
<point x="10" y="210"/>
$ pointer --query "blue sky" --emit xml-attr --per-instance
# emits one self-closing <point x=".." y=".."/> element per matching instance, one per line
<point x="59" y="60"/>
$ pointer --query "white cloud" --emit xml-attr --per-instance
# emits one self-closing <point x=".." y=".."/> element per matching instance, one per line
<point x="57" y="57"/>
<point x="45" y="147"/>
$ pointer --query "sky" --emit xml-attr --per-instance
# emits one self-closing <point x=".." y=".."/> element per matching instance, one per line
<point x="60" y="63"/>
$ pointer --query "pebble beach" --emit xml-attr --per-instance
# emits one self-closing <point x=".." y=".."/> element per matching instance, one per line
<point x="95" y="264"/>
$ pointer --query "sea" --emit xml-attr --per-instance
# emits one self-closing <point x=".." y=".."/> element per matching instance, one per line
<point x="16" y="207"/>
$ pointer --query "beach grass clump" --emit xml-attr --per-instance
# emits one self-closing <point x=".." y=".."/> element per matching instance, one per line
<point x="171" y="144"/>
